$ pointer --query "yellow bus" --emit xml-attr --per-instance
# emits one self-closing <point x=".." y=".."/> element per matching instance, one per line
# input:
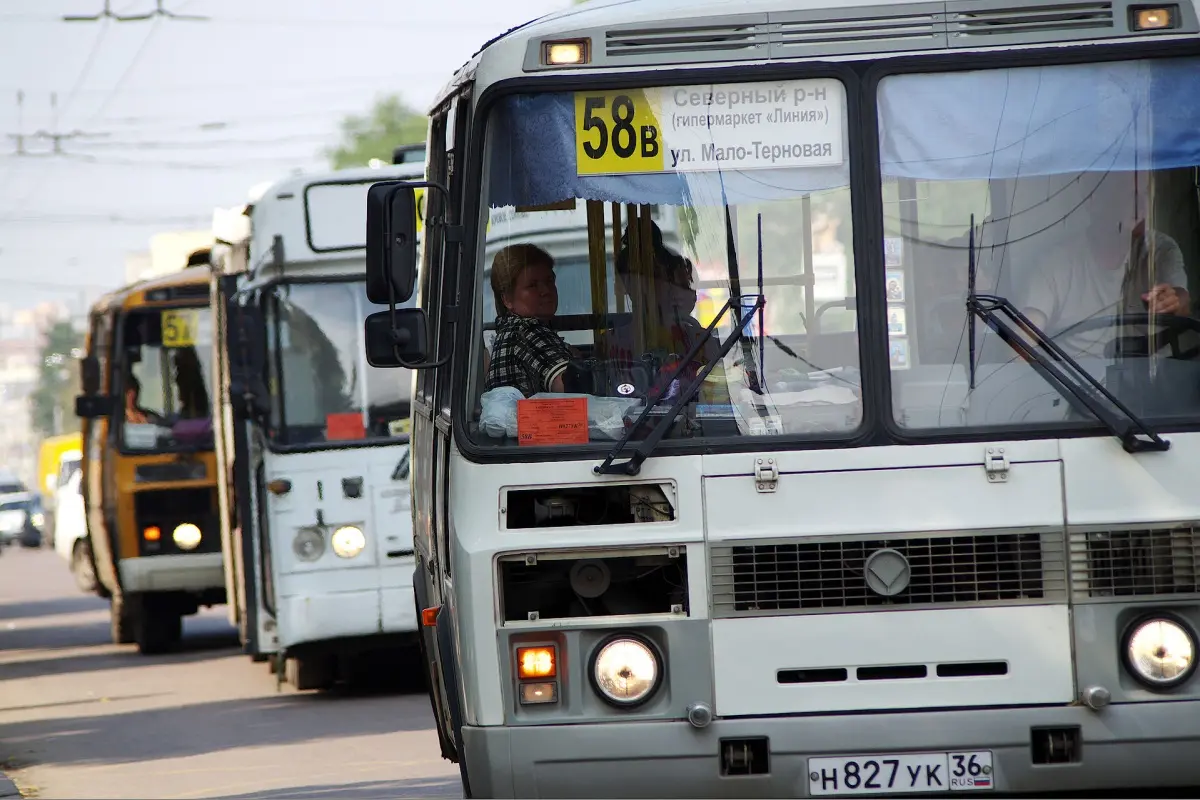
<point x="149" y="477"/>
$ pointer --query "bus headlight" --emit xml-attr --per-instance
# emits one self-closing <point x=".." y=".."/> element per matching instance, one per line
<point x="1160" y="653"/>
<point x="626" y="670"/>
<point x="186" y="536"/>
<point x="309" y="545"/>
<point x="348" y="541"/>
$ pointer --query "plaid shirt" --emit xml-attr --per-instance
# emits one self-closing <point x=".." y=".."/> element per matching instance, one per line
<point x="526" y="354"/>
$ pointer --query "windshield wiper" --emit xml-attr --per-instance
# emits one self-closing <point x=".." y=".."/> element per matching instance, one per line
<point x="633" y="464"/>
<point x="1057" y="367"/>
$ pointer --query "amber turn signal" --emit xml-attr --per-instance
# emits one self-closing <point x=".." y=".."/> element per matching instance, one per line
<point x="429" y="616"/>
<point x="152" y="534"/>
<point x="536" y="662"/>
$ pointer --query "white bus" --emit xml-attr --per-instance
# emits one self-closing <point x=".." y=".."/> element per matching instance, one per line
<point x="312" y="442"/>
<point x="934" y="532"/>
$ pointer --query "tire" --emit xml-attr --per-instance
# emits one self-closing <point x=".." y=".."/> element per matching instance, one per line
<point x="159" y="627"/>
<point x="82" y="568"/>
<point x="314" y="672"/>
<point x="121" y="619"/>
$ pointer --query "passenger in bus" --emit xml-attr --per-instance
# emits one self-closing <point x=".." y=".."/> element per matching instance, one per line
<point x="526" y="353"/>
<point x="671" y="328"/>
<point x="133" y="412"/>
<point x="1120" y="267"/>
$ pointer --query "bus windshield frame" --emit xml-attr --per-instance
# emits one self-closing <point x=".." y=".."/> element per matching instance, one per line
<point x="172" y="431"/>
<point x="869" y="270"/>
<point x="311" y="298"/>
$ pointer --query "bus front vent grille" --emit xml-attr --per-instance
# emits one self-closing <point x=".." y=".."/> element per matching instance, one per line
<point x="687" y="40"/>
<point x="815" y="575"/>
<point x="1148" y="562"/>
<point x="991" y="22"/>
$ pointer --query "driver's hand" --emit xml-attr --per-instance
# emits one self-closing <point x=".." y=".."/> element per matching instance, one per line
<point x="1163" y="299"/>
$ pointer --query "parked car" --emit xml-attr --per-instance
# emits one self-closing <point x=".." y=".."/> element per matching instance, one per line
<point x="21" y="519"/>
<point x="70" y="533"/>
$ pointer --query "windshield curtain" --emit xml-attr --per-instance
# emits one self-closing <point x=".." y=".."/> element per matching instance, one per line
<point x="1081" y="182"/>
<point x="166" y="385"/>
<point x="621" y="223"/>
<point x="323" y="390"/>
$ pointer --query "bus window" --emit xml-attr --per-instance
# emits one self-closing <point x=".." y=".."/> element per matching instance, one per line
<point x="1085" y="218"/>
<point x="167" y="389"/>
<point x="324" y="389"/>
<point x="670" y="247"/>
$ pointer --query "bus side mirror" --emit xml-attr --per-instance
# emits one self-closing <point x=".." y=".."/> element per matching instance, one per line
<point x="391" y="242"/>
<point x="247" y="362"/>
<point x="93" y="406"/>
<point x="401" y="346"/>
<point x="89" y="374"/>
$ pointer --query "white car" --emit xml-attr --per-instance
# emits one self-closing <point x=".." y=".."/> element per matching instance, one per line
<point x="70" y="532"/>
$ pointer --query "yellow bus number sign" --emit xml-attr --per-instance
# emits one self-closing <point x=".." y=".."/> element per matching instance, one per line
<point x="179" y="327"/>
<point x="616" y="133"/>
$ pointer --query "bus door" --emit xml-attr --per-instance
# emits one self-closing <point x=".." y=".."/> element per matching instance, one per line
<point x="252" y="588"/>
<point x="100" y="486"/>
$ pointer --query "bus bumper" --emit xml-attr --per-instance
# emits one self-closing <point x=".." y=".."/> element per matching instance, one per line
<point x="324" y="617"/>
<point x="1126" y="746"/>
<point x="187" y="572"/>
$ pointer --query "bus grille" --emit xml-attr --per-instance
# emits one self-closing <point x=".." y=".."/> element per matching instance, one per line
<point x="760" y="578"/>
<point x="1135" y="563"/>
<point x="724" y="39"/>
<point x="1029" y="19"/>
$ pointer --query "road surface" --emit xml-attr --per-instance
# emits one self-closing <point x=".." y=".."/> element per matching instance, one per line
<point x="80" y="717"/>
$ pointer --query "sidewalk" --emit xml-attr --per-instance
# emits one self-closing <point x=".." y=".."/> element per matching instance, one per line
<point x="7" y="788"/>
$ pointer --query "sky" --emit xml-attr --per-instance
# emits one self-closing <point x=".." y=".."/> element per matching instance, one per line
<point x="165" y="119"/>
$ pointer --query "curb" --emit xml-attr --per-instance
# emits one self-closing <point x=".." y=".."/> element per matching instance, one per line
<point x="7" y="787"/>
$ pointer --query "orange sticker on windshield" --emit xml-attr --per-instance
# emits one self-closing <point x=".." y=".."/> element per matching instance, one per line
<point x="541" y="422"/>
<point x="344" y="426"/>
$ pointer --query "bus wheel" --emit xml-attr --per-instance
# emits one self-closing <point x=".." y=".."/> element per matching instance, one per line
<point x="314" y="672"/>
<point x="81" y="568"/>
<point x="122" y="620"/>
<point x="159" y="626"/>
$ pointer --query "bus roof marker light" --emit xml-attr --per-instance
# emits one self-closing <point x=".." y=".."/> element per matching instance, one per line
<point x="566" y="53"/>
<point x="1159" y="18"/>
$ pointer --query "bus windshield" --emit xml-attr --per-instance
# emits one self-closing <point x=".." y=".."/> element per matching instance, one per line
<point x="166" y="389"/>
<point x="323" y="392"/>
<point x="1080" y="181"/>
<point x="622" y="223"/>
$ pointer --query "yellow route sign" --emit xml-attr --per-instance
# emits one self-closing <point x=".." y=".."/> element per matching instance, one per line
<point x="179" y="327"/>
<point x="616" y="133"/>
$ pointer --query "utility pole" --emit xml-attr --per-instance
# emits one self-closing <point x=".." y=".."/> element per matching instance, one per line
<point x="19" y="136"/>
<point x="55" y="136"/>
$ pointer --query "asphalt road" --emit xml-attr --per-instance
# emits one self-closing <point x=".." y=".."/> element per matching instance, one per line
<point x="80" y="717"/>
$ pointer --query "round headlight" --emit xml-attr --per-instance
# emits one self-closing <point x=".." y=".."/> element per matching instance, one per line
<point x="309" y="545"/>
<point x="348" y="541"/>
<point x="626" y="671"/>
<point x="1160" y="652"/>
<point x="186" y="536"/>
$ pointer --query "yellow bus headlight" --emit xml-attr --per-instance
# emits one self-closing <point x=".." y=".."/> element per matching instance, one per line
<point x="187" y="536"/>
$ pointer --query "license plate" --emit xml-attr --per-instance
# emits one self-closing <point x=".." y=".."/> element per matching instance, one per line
<point x="907" y="772"/>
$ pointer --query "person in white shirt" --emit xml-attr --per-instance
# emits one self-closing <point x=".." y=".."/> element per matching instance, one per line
<point x="1119" y="268"/>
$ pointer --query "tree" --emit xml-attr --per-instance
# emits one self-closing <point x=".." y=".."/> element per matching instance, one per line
<point x="53" y="400"/>
<point x="390" y="123"/>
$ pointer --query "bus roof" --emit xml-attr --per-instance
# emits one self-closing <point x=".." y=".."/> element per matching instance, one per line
<point x="653" y="33"/>
<point x="319" y="217"/>
<point x="191" y="283"/>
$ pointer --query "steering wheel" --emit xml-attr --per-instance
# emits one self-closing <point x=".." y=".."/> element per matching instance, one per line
<point x="1173" y="328"/>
